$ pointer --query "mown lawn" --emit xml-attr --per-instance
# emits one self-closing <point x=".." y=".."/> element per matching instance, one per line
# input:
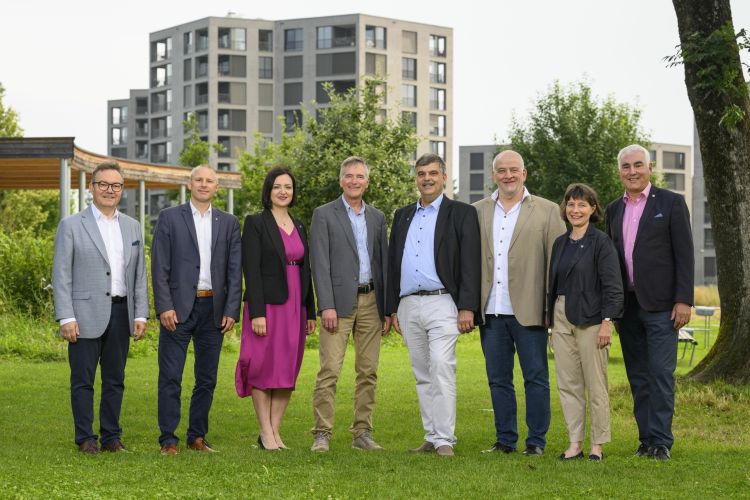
<point x="39" y="459"/>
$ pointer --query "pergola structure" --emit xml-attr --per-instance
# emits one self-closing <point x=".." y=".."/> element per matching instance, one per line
<point x="53" y="162"/>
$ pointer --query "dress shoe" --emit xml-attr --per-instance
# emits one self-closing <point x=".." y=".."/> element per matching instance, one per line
<point x="263" y="447"/>
<point x="365" y="442"/>
<point x="444" y="451"/>
<point x="201" y="444"/>
<point x="169" y="449"/>
<point x="321" y="442"/>
<point x="643" y="451"/>
<point x="574" y="457"/>
<point x="533" y="451"/>
<point x="596" y="458"/>
<point x="88" y="447"/>
<point x="661" y="453"/>
<point x="500" y="447"/>
<point x="114" y="446"/>
<point x="425" y="447"/>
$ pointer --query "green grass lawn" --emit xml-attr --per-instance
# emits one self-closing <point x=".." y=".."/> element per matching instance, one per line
<point x="711" y="456"/>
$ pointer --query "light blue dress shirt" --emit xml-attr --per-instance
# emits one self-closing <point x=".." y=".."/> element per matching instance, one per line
<point x="418" y="270"/>
<point x="359" y="227"/>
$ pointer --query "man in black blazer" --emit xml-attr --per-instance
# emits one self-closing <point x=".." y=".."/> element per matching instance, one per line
<point x="196" y="267"/>
<point x="650" y="228"/>
<point x="433" y="290"/>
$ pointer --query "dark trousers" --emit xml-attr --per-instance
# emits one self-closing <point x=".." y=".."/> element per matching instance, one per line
<point x="173" y="346"/>
<point x="649" y="349"/>
<point x="110" y="351"/>
<point x="501" y="337"/>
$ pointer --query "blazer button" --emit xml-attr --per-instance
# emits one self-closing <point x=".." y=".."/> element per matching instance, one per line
<point x="107" y="294"/>
<point x="107" y="273"/>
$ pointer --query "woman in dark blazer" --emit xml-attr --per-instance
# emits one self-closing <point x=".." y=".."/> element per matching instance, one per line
<point x="279" y="306"/>
<point x="585" y="294"/>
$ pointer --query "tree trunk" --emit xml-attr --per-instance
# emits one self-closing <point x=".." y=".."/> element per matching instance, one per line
<point x="715" y="84"/>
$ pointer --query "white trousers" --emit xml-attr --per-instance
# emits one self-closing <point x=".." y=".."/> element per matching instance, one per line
<point x="429" y="325"/>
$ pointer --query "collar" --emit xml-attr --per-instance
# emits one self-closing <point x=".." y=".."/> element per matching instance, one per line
<point x="349" y="207"/>
<point x="98" y="215"/>
<point x="435" y="203"/>
<point x="196" y="211"/>
<point x="526" y="194"/>
<point x="643" y="194"/>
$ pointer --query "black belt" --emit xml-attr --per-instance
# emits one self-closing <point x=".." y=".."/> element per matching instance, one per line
<point x="118" y="300"/>
<point x="421" y="293"/>
<point x="294" y="263"/>
<point x="362" y="289"/>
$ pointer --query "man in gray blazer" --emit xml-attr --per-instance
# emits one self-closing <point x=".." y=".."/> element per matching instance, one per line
<point x="349" y="253"/>
<point x="196" y="268"/>
<point x="101" y="299"/>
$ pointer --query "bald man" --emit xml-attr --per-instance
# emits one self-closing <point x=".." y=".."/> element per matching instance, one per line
<point x="517" y="230"/>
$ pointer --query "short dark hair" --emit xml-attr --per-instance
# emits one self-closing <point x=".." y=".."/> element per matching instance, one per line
<point x="429" y="159"/>
<point x="579" y="191"/>
<point x="107" y="165"/>
<point x="268" y="185"/>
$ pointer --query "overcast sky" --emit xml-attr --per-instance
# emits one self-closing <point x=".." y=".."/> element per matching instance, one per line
<point x="60" y="61"/>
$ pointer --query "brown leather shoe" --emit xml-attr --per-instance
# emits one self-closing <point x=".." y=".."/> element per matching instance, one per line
<point x="169" y="449"/>
<point x="114" y="446"/>
<point x="444" y="451"/>
<point x="201" y="444"/>
<point x="425" y="447"/>
<point x="89" y="447"/>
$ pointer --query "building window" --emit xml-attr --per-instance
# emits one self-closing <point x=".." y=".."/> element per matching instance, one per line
<point x="201" y="94"/>
<point x="232" y="38"/>
<point x="409" y="95"/>
<point x="161" y="50"/>
<point x="408" y="68"/>
<point x="375" y="37"/>
<point x="235" y="66"/>
<point x="292" y="94"/>
<point x="675" y="182"/>
<point x="201" y="66"/>
<point x="187" y="42"/>
<point x="119" y="115"/>
<point x="708" y="237"/>
<point x="476" y="161"/>
<point x="339" y="63"/>
<point x="437" y="125"/>
<point x="119" y="136"/>
<point x="410" y="117"/>
<point x="232" y="93"/>
<point x="339" y="87"/>
<point x="202" y="121"/>
<point x="709" y="267"/>
<point x="293" y="39"/>
<point x="141" y="128"/>
<point x="161" y="101"/>
<point x="161" y="75"/>
<point x="673" y="160"/>
<point x="437" y="72"/>
<point x="476" y="182"/>
<point x="159" y="127"/>
<point x="437" y="99"/>
<point x="265" y="94"/>
<point x="223" y="167"/>
<point x="375" y="64"/>
<point x="265" y="122"/>
<point x="437" y="46"/>
<point x="265" y="40"/>
<point x="187" y="96"/>
<point x="475" y="197"/>
<point x="293" y="67"/>
<point x="409" y="42"/>
<point x="141" y="150"/>
<point x="226" y="146"/>
<point x="265" y="67"/>
<point x="232" y="119"/>
<point x="202" y="36"/>
<point x="438" y="147"/>
<point x="292" y="117"/>
<point x="159" y="153"/>
<point x="706" y="214"/>
<point x="187" y="70"/>
<point x="335" y="36"/>
<point x="141" y="105"/>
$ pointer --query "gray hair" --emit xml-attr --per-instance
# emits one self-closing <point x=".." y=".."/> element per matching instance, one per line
<point x="429" y="159"/>
<point x="354" y="160"/>
<point x="195" y="169"/>
<point x="634" y="148"/>
<point x="508" y="152"/>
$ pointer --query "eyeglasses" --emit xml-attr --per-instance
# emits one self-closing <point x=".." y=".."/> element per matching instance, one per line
<point x="104" y="186"/>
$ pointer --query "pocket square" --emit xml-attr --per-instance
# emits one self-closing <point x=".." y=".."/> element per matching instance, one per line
<point x="657" y="216"/>
<point x="138" y="242"/>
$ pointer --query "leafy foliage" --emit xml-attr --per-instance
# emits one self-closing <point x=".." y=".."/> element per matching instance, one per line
<point x="195" y="151"/>
<point x="9" y="124"/>
<point x="31" y="212"/>
<point x="572" y="136"/>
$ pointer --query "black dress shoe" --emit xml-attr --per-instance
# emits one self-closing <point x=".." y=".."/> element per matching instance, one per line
<point x="533" y="451"/>
<point x="596" y="458"/>
<point x="643" y="451"/>
<point x="88" y="447"/>
<point x="500" y="447"/>
<point x="661" y="453"/>
<point x="563" y="457"/>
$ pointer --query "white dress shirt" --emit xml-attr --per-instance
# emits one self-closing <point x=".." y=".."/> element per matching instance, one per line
<point x="203" y="233"/>
<point x="503" y="224"/>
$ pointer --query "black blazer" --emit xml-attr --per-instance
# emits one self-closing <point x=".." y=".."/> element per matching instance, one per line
<point x="264" y="265"/>
<point x="663" y="265"/>
<point x="457" y="253"/>
<point x="593" y="283"/>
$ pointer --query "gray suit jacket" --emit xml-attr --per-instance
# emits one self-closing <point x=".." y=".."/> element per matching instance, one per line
<point x="81" y="276"/>
<point x="334" y="258"/>
<point x="175" y="263"/>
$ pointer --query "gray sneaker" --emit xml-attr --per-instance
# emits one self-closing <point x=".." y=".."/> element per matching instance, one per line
<point x="320" y="442"/>
<point x="365" y="442"/>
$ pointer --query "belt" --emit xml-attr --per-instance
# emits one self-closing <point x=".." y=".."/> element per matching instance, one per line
<point x="204" y="293"/>
<point x="294" y="263"/>
<point x="421" y="293"/>
<point x="118" y="300"/>
<point x="362" y="289"/>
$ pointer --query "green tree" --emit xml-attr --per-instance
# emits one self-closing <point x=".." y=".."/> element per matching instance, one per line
<point x="572" y="136"/>
<point x="33" y="212"/>
<point x="352" y="124"/>
<point x="709" y="51"/>
<point x="195" y="150"/>
<point x="9" y="124"/>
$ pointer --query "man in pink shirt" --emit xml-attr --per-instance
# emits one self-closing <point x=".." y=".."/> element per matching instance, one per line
<point x="650" y="228"/>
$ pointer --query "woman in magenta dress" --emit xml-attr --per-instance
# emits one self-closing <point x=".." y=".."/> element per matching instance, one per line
<point x="279" y="306"/>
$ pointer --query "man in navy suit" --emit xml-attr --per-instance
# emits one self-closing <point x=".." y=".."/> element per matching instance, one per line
<point x="650" y="228"/>
<point x="197" y="278"/>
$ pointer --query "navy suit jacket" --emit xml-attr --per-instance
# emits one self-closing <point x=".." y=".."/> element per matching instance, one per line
<point x="663" y="265"/>
<point x="175" y="263"/>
